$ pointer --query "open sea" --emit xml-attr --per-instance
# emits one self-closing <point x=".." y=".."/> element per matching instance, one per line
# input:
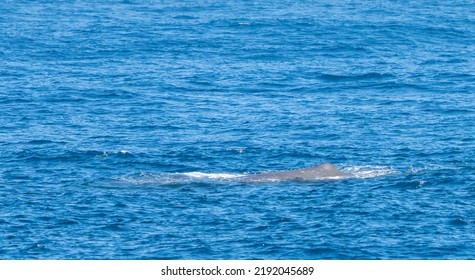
<point x="126" y="125"/>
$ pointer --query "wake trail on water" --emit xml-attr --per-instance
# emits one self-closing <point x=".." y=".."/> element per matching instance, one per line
<point x="147" y="178"/>
<point x="369" y="171"/>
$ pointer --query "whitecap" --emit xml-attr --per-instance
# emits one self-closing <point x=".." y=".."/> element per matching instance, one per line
<point x="120" y="152"/>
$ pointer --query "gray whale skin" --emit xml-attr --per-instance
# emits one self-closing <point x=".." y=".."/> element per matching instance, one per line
<point x="322" y="171"/>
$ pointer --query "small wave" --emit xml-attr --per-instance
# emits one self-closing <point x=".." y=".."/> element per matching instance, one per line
<point x="356" y="77"/>
<point x="120" y="153"/>
<point x="434" y="168"/>
<point x="41" y="142"/>
<point x="369" y="171"/>
<point x="236" y="150"/>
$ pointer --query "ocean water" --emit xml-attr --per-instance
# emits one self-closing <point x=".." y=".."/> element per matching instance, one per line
<point x="125" y="125"/>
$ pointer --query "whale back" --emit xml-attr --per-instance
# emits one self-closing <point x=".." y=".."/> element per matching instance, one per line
<point x="326" y="170"/>
<point x="322" y="171"/>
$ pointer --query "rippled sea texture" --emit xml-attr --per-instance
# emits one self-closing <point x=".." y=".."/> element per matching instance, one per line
<point x="123" y="124"/>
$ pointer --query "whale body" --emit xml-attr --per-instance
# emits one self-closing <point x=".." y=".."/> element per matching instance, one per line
<point x="318" y="172"/>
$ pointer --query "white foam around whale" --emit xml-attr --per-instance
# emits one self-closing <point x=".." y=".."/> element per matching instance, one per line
<point x="213" y="176"/>
<point x="369" y="171"/>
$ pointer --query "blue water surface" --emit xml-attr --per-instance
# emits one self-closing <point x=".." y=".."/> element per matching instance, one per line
<point x="124" y="125"/>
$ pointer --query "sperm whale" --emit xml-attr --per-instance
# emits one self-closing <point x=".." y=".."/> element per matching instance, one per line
<point x="317" y="172"/>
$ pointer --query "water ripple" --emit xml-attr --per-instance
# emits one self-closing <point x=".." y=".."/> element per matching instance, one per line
<point x="127" y="126"/>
